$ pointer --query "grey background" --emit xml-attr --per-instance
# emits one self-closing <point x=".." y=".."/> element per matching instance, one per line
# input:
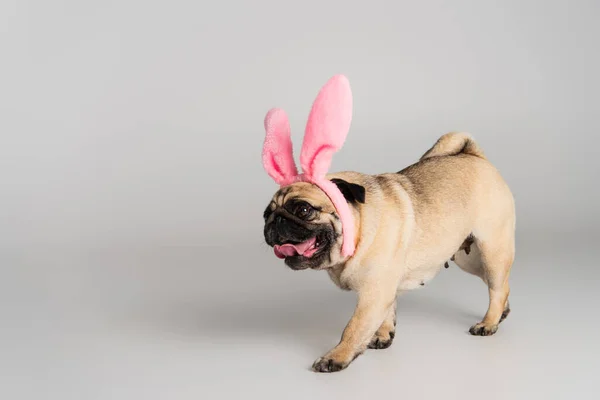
<point x="131" y="254"/>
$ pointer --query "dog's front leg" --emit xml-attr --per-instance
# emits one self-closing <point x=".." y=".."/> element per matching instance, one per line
<point x="373" y="307"/>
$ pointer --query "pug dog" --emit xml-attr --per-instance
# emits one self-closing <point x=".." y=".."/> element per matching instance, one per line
<point x="452" y="204"/>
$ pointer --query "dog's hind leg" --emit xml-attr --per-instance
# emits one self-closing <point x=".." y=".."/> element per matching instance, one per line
<point x="497" y="255"/>
<point x="494" y="273"/>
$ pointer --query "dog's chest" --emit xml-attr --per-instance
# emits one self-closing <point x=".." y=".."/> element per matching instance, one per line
<point x="341" y="280"/>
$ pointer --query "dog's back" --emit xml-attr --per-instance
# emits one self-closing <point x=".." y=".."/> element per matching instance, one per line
<point x="455" y="174"/>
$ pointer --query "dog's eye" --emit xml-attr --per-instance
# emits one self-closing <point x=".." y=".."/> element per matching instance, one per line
<point x="303" y="210"/>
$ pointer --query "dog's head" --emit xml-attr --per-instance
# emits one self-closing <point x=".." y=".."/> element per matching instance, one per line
<point x="304" y="220"/>
<point x="302" y="226"/>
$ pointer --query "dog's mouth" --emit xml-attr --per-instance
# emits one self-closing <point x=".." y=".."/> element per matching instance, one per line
<point x="305" y="249"/>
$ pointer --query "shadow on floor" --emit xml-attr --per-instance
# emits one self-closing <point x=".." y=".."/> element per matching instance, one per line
<point x="315" y="319"/>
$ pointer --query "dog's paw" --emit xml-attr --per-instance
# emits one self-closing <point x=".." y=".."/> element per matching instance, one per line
<point x="326" y="364"/>
<point x="382" y="340"/>
<point x="483" y="330"/>
<point x="336" y="360"/>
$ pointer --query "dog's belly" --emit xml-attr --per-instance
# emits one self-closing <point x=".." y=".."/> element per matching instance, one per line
<point x="428" y="252"/>
<point x="417" y="278"/>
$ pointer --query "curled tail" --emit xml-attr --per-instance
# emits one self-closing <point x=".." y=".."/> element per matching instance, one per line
<point x="452" y="144"/>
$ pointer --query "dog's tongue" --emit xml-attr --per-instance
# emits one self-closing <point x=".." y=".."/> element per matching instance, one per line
<point x="287" y="250"/>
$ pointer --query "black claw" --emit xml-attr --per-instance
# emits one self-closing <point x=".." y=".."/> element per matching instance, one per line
<point x="392" y="335"/>
<point x="446" y="265"/>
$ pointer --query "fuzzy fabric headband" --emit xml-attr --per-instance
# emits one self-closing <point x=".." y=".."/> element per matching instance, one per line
<point x="326" y="131"/>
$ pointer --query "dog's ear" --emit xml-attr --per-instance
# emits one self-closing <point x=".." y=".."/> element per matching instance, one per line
<point x="353" y="192"/>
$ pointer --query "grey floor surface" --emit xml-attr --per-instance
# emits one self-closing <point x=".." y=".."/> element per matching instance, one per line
<point x="233" y="322"/>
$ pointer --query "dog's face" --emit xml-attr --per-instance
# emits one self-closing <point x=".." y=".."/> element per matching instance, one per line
<point x="302" y="226"/>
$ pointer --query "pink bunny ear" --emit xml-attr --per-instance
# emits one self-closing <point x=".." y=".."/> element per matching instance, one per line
<point x="278" y="158"/>
<point x="327" y="126"/>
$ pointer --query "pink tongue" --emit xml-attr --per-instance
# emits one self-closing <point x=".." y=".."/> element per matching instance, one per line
<point x="288" y="249"/>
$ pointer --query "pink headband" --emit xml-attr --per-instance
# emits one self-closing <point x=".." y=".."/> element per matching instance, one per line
<point x="326" y="130"/>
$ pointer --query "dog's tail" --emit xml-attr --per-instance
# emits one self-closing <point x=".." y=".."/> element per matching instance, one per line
<point x="454" y="143"/>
